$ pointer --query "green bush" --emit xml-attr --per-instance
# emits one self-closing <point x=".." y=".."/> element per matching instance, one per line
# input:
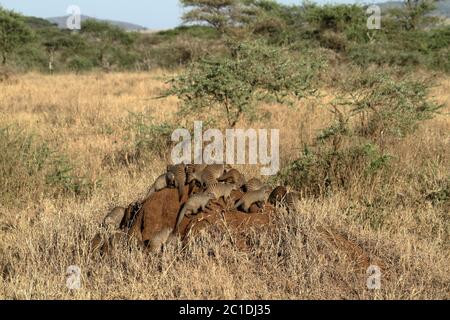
<point x="150" y="137"/>
<point x="80" y="64"/>
<point x="320" y="171"/>
<point x="233" y="86"/>
<point x="147" y="140"/>
<point x="14" y="33"/>
<point x="338" y="28"/>
<point x="31" y="169"/>
<point x="386" y="106"/>
<point x="373" y="110"/>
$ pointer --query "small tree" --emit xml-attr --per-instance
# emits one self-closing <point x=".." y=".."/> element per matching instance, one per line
<point x="107" y="38"/>
<point x="415" y="13"/>
<point x="13" y="33"/>
<point x="220" y="14"/>
<point x="233" y="85"/>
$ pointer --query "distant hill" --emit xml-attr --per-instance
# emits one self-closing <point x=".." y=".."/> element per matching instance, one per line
<point x="61" y="23"/>
<point x="442" y="7"/>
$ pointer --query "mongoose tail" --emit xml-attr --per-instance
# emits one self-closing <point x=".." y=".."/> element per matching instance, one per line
<point x="180" y="192"/>
<point x="238" y="204"/>
<point x="180" y="217"/>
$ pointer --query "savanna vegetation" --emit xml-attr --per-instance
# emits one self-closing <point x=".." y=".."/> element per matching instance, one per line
<point x="364" y="130"/>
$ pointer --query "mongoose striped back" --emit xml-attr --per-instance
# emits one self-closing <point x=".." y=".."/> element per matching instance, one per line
<point x="191" y="168"/>
<point x="233" y="176"/>
<point x="278" y="195"/>
<point x="216" y="170"/>
<point x="194" y="204"/>
<point x="253" y="185"/>
<point x="221" y="190"/>
<point x="252" y="197"/>
<point x="208" y="176"/>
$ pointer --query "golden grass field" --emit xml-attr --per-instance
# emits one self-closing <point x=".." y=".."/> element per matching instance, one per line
<point x="85" y="117"/>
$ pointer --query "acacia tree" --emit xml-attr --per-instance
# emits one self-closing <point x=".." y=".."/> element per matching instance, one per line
<point x="233" y="86"/>
<point x="106" y="37"/>
<point x="415" y="13"/>
<point x="220" y="14"/>
<point x="13" y="33"/>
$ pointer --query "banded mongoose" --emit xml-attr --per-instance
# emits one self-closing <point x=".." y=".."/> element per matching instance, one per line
<point x="209" y="175"/>
<point x="191" y="168"/>
<point x="159" y="239"/>
<point x="248" y="199"/>
<point x="163" y="181"/>
<point x="253" y="185"/>
<point x="114" y="218"/>
<point x="233" y="176"/>
<point x="179" y="171"/>
<point x="194" y="204"/>
<point x="220" y="190"/>
<point x="278" y="195"/>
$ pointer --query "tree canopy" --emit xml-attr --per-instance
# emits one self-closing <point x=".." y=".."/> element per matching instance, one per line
<point x="13" y="32"/>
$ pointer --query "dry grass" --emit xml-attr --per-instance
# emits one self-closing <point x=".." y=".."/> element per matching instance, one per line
<point x="86" y="116"/>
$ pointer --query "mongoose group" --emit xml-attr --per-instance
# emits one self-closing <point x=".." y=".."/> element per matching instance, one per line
<point x="213" y="182"/>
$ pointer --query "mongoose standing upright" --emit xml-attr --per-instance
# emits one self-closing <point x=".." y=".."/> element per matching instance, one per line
<point x="248" y="199"/>
<point x="179" y="171"/>
<point x="233" y="176"/>
<point x="195" y="203"/>
<point x="163" y="181"/>
<point x="114" y="218"/>
<point x="253" y="185"/>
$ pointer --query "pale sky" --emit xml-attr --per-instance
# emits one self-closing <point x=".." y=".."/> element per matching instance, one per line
<point x="161" y="14"/>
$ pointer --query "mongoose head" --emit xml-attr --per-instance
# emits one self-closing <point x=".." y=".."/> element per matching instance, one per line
<point x="170" y="179"/>
<point x="211" y="195"/>
<point x="193" y="176"/>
